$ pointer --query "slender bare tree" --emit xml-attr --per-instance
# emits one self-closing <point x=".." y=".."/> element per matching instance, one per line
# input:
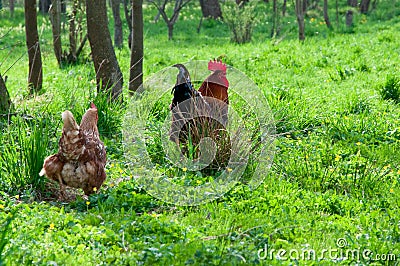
<point x="161" y="4"/>
<point x="337" y="13"/>
<point x="44" y="6"/>
<point x="275" y="19"/>
<point x="5" y="101"/>
<point x="118" y="38"/>
<point x="73" y="56"/>
<point x="364" y="6"/>
<point x="284" y="6"/>
<point x="209" y="9"/>
<point x="12" y="7"/>
<point x="352" y="3"/>
<point x="108" y="72"/>
<point x="326" y="15"/>
<point x="349" y="18"/>
<point x="35" y="77"/>
<point x="300" y="11"/>
<point x="128" y="18"/>
<point x="127" y="12"/>
<point x="55" y="16"/>
<point x="136" y="65"/>
<point x="75" y="29"/>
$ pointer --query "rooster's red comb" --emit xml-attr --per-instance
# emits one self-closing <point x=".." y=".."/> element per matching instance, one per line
<point x="216" y="65"/>
<point x="92" y="105"/>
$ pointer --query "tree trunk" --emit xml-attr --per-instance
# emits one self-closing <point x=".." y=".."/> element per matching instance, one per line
<point x="72" y="32"/>
<point x="352" y="3"/>
<point x="12" y="7"/>
<point x="108" y="73"/>
<point x="115" y="6"/>
<point x="63" y="6"/>
<point x="80" y="48"/>
<point x="170" y="31"/>
<point x="5" y="101"/>
<point x="300" y="21"/>
<point x="304" y="5"/>
<point x="299" y="7"/>
<point x="349" y="18"/>
<point x="128" y="16"/>
<point x="337" y="13"/>
<point x="55" y="14"/>
<point x="364" y="6"/>
<point x="326" y="15"/>
<point x="275" y="19"/>
<point x="211" y="9"/>
<point x="44" y="6"/>
<point x="136" y="65"/>
<point x="35" y="77"/>
<point x="284" y="5"/>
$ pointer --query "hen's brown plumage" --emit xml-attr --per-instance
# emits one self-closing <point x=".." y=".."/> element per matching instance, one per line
<point x="81" y="156"/>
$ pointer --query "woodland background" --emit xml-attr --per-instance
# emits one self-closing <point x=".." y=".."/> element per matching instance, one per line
<point x="329" y="70"/>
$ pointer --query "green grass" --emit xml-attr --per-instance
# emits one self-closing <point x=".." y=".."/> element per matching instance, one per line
<point x="335" y="175"/>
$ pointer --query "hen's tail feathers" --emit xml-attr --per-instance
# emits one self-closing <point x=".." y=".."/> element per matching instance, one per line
<point x="42" y="172"/>
<point x="69" y="121"/>
<point x="70" y="144"/>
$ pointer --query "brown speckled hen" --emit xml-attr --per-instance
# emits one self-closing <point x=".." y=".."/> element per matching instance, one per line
<point x="81" y="156"/>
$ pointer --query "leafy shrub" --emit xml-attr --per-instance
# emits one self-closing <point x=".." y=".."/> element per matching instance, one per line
<point x="240" y="20"/>
<point x="391" y="89"/>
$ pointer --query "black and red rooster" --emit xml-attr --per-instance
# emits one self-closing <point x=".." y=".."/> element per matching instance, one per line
<point x="201" y="113"/>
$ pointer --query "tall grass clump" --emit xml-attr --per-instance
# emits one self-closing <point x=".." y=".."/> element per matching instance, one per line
<point x="199" y="129"/>
<point x="391" y="89"/>
<point x="23" y="149"/>
<point x="190" y="133"/>
<point x="241" y="19"/>
<point x="110" y="115"/>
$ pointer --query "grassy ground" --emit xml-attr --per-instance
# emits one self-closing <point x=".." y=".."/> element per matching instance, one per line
<point x="333" y="187"/>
